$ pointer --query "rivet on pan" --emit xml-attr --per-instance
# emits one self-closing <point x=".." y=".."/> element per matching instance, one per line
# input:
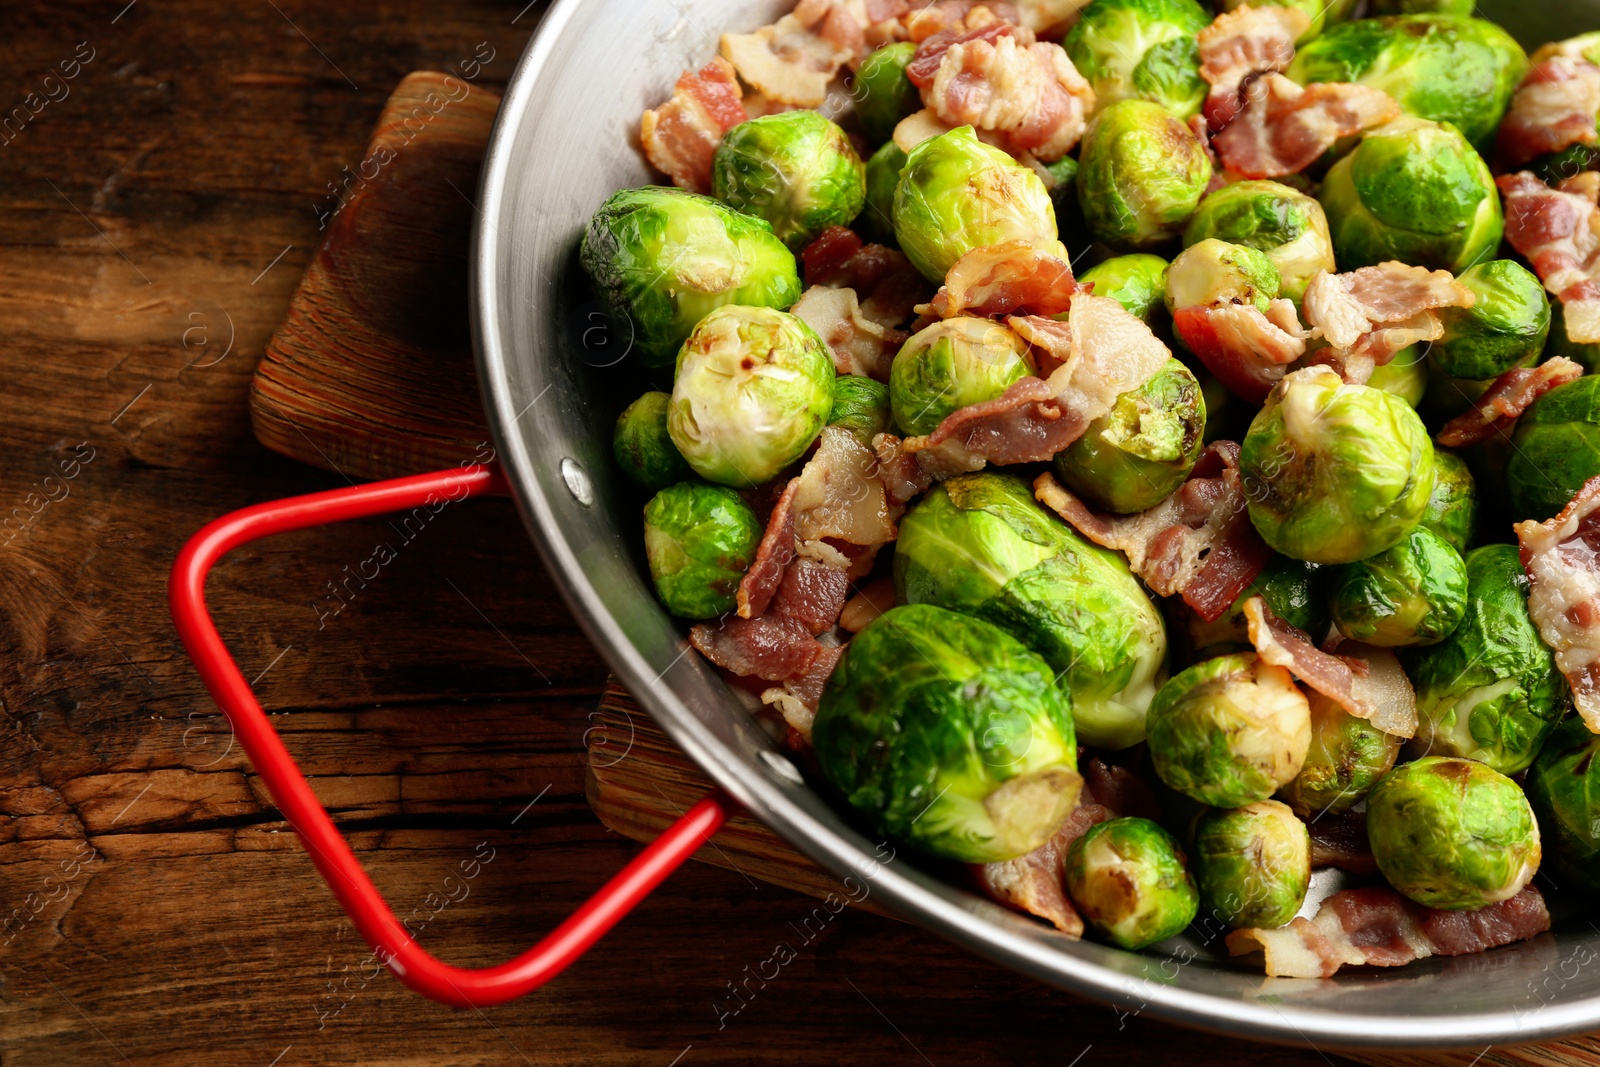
<point x="577" y="482"/>
<point x="782" y="766"/>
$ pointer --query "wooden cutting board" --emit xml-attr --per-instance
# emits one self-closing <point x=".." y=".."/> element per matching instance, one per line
<point x="371" y="375"/>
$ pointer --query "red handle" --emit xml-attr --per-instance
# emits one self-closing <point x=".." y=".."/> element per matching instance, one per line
<point x="393" y="944"/>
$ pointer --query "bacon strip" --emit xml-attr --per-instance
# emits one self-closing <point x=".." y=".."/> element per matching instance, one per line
<point x="888" y="286"/>
<point x="1029" y="93"/>
<point x="1248" y="351"/>
<point x="1553" y="110"/>
<point x="681" y="135"/>
<point x="790" y="61"/>
<point x="1368" y="315"/>
<point x="1564" y="594"/>
<point x="859" y="345"/>
<point x="955" y="17"/>
<point x="1010" y="278"/>
<point x="1284" y="128"/>
<point x="773" y="556"/>
<point x="1379" y="928"/>
<point x="1558" y="232"/>
<point x="1497" y="410"/>
<point x="1240" y="46"/>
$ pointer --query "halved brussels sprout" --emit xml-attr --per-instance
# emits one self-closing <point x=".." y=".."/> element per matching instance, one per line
<point x="957" y="193"/>
<point x="1138" y="282"/>
<point x="1452" y="833"/>
<point x="1143" y="50"/>
<point x="1491" y="691"/>
<point x="1452" y="511"/>
<point x="1335" y="473"/>
<point x="860" y="405"/>
<point x="662" y="259"/>
<point x="1346" y="759"/>
<point x="1252" y="864"/>
<point x="1284" y="223"/>
<point x="951" y="364"/>
<point x="1439" y="67"/>
<point x="883" y="93"/>
<point x="1412" y="594"/>
<point x="980" y="544"/>
<point x="950" y="735"/>
<point x="1128" y="879"/>
<point x="1505" y="327"/>
<point x="642" y="446"/>
<point x="1295" y="590"/>
<point x="753" y="389"/>
<point x="699" y="539"/>
<point x="795" y="169"/>
<point x="1555" y="449"/>
<point x="1229" y="731"/>
<point x="876" y="221"/>
<point x="1405" y="376"/>
<point x="1323" y="13"/>
<point x="1216" y="272"/>
<point x="1414" y="191"/>
<point x="1564" y="790"/>
<point x="1135" y="455"/>
<point x="1141" y="174"/>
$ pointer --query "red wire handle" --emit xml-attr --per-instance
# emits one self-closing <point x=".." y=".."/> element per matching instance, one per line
<point x="390" y="940"/>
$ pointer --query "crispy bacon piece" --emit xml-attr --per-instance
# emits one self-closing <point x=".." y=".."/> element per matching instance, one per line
<point x="1049" y="19"/>
<point x="1368" y="315"/>
<point x="1558" y="231"/>
<point x="1010" y="278"/>
<point x="681" y="135"/>
<point x="1564" y="593"/>
<point x="1498" y="409"/>
<point x="859" y="345"/>
<point x="772" y="647"/>
<point x="812" y="593"/>
<point x="1248" y="351"/>
<point x="956" y="17"/>
<point x="1554" y="109"/>
<point x="1285" y="128"/>
<point x="840" y="495"/>
<point x="773" y="556"/>
<point x="977" y="24"/>
<point x="888" y="286"/>
<point x="797" y="699"/>
<point x="792" y="61"/>
<point x="1031" y="94"/>
<point x="863" y="608"/>
<point x="1240" y="46"/>
<point x="1199" y="542"/>
<point x="1379" y="928"/>
<point x="1341" y="841"/>
<point x="903" y="477"/>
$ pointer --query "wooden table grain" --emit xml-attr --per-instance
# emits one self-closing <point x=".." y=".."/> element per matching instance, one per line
<point x="160" y="192"/>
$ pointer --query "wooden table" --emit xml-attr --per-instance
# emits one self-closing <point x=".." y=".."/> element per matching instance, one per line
<point x="157" y="212"/>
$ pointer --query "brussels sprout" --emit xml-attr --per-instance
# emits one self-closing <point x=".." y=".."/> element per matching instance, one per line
<point x="1253" y="864"/>
<point x="876" y="221"/>
<point x="1413" y="191"/>
<point x="1491" y="691"/>
<point x="1128" y="879"/>
<point x="1141" y="173"/>
<point x="663" y="258"/>
<point x="957" y="193"/>
<point x="1564" y="790"/>
<point x="1452" y="511"/>
<point x="953" y="363"/>
<point x="1229" y="731"/>
<point x="1216" y="272"/>
<point x="883" y="93"/>
<point x="1335" y="473"/>
<point x="1438" y="67"/>
<point x="1142" y="50"/>
<point x="1295" y="590"/>
<point x="1286" y="224"/>
<point x="1346" y="759"/>
<point x="947" y="733"/>
<point x="753" y="390"/>
<point x="1322" y="12"/>
<point x="1135" y="455"/>
<point x="1138" y="282"/>
<point x="643" y="448"/>
<point x="1423" y="7"/>
<point x="860" y="405"/>
<point x="795" y="169"/>
<point x="1556" y="448"/>
<point x="699" y="539"/>
<point x="981" y="544"/>
<point x="1505" y="327"/>
<point x="1452" y="833"/>
<point x="1404" y="376"/>
<point x="1412" y="594"/>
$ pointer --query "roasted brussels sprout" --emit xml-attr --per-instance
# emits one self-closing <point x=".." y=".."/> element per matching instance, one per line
<point x="795" y="169"/>
<point x="1414" y="191"/>
<point x="1452" y="511"/>
<point x="1556" y="448"/>
<point x="950" y="735"/>
<point x="876" y="221"/>
<point x="883" y="94"/>
<point x="643" y="448"/>
<point x="1295" y="590"/>
<point x="1134" y="456"/>
<point x="1138" y="282"/>
<point x="1452" y="833"/>
<point x="1141" y="173"/>
<point x="1505" y="327"/>
<point x="860" y="405"/>
<point x="1412" y="594"/>
<point x="1323" y="13"/>
<point x="957" y="193"/>
<point x="1335" y="473"/>
<point x="1284" y="223"/>
<point x="950" y="364"/>
<point x="1346" y="759"/>
<point x="1423" y="7"/>
<point x="699" y="539"/>
<point x="1229" y="731"/>
<point x="981" y="544"/>
<point x="1404" y="376"/>
<point x="1128" y="879"/>
<point x="1564" y="790"/>
<point x="1439" y="67"/>
<point x="663" y="258"/>
<point x="753" y="389"/>
<point x="1143" y="50"/>
<point x="1491" y="691"/>
<point x="1213" y="272"/>
<point x="1252" y="864"/>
